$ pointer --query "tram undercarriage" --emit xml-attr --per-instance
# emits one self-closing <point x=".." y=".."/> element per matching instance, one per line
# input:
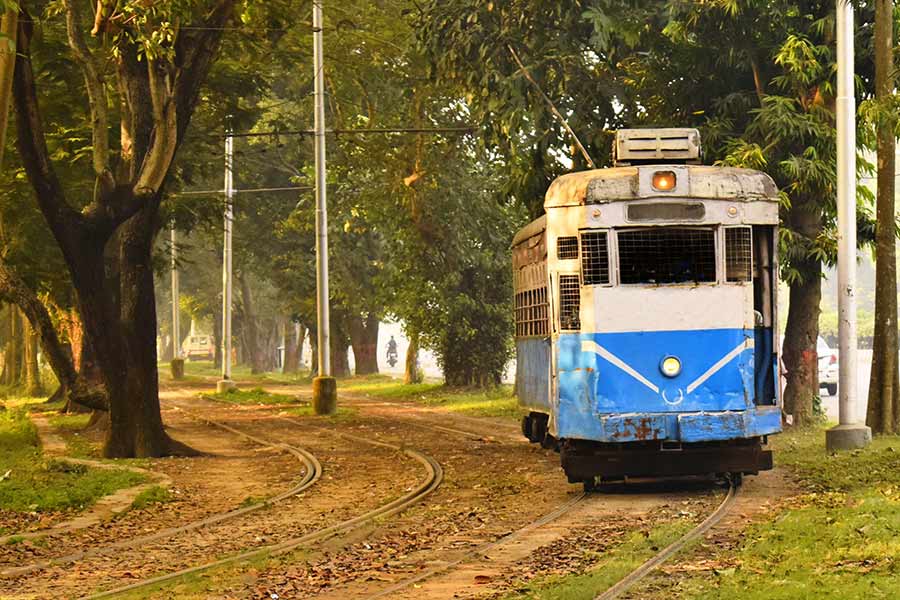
<point x="585" y="461"/>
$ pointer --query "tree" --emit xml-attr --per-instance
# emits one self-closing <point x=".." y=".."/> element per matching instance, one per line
<point x="883" y="414"/>
<point x="106" y="238"/>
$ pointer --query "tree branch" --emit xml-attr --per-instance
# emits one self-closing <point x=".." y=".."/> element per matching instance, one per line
<point x="96" y="89"/>
<point x="32" y="145"/>
<point x="13" y="289"/>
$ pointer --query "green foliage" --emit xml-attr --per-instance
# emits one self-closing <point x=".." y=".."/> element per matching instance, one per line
<point x="36" y="484"/>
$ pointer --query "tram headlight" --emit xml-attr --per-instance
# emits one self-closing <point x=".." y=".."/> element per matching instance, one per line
<point x="663" y="181"/>
<point x="670" y="366"/>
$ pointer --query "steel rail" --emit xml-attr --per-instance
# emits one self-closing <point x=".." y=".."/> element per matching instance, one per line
<point x="433" y="479"/>
<point x="544" y="520"/>
<point x="629" y="581"/>
<point x="312" y="473"/>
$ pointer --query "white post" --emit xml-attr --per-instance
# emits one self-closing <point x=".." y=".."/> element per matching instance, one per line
<point x="324" y="388"/>
<point x="226" y="383"/>
<point x="176" y="313"/>
<point x="849" y="433"/>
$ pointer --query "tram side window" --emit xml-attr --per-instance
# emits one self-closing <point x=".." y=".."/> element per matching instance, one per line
<point x="532" y="313"/>
<point x="738" y="254"/>
<point x="594" y="258"/>
<point x="569" y="302"/>
<point x="661" y="255"/>
<point x="567" y="248"/>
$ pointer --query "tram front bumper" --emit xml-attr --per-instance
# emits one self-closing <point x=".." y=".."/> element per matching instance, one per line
<point x="685" y="427"/>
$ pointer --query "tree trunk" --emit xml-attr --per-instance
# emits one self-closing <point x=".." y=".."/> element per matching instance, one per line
<point x="340" y="362"/>
<point x="800" y="354"/>
<point x="217" y="338"/>
<point x="412" y="374"/>
<point x="364" y="339"/>
<point x="33" y="384"/>
<point x="14" y="347"/>
<point x="883" y="413"/>
<point x="250" y="328"/>
<point x="291" y="349"/>
<point x="8" y="29"/>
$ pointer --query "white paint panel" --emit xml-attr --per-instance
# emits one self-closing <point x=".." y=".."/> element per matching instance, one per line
<point x="666" y="308"/>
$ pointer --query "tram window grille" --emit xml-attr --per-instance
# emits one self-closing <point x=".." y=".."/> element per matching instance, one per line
<point x="567" y="248"/>
<point x="532" y="313"/>
<point x="738" y="254"/>
<point x="594" y="258"/>
<point x="569" y="302"/>
<point x="660" y="255"/>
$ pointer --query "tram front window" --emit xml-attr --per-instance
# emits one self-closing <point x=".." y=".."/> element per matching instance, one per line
<point x="665" y="255"/>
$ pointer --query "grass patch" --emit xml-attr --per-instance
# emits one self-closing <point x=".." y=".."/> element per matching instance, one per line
<point x="153" y="495"/>
<point x="841" y="539"/>
<point x="37" y="484"/>
<point x="611" y="567"/>
<point x="496" y="402"/>
<point x="343" y="413"/>
<point x="253" y="396"/>
<point x="70" y="423"/>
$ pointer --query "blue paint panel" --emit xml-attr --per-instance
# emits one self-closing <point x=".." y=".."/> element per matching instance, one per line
<point x="533" y="373"/>
<point x="614" y="390"/>
<point x="704" y="427"/>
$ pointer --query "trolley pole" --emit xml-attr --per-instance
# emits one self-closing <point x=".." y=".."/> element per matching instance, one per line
<point x="176" y="313"/>
<point x="324" y="386"/>
<point x="226" y="383"/>
<point x="849" y="433"/>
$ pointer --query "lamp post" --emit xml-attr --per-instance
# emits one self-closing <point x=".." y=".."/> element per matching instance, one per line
<point x="226" y="383"/>
<point x="849" y="433"/>
<point x="324" y="386"/>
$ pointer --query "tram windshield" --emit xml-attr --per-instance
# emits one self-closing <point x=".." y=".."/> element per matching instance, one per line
<point x="661" y="255"/>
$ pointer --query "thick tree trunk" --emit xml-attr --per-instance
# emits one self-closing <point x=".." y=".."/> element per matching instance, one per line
<point x="883" y="414"/>
<point x="412" y="374"/>
<point x="8" y="30"/>
<point x="340" y="362"/>
<point x="800" y="354"/>
<point x="250" y="328"/>
<point x="364" y="339"/>
<point x="14" y="347"/>
<point x="291" y="349"/>
<point x="33" y="384"/>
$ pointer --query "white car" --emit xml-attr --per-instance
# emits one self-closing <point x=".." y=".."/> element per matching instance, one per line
<point x="828" y="366"/>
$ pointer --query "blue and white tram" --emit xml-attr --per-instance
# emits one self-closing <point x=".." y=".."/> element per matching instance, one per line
<point x="646" y="319"/>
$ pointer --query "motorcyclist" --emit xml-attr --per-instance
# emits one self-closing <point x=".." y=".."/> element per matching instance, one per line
<point x="392" y="351"/>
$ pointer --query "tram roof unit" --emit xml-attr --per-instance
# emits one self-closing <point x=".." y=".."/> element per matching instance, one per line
<point x="694" y="182"/>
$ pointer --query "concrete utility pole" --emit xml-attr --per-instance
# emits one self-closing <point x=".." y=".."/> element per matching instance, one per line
<point x="176" y="312"/>
<point x="226" y="383"/>
<point x="849" y="433"/>
<point x="324" y="386"/>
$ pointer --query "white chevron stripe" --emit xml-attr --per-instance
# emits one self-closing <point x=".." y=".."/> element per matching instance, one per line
<point x="588" y="346"/>
<point x="747" y="343"/>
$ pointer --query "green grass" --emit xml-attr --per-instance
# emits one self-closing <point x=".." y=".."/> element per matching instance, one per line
<point x="343" y="413"/>
<point x="38" y="484"/>
<point x="609" y="569"/>
<point x="70" y="423"/>
<point x="841" y="539"/>
<point x="252" y="396"/>
<point x="497" y="402"/>
<point x="153" y="495"/>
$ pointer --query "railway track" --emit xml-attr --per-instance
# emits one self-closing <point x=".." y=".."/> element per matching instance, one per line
<point x="312" y="473"/>
<point x="433" y="478"/>
<point x="633" y="578"/>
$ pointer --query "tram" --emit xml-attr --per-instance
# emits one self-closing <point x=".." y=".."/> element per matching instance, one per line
<point x="645" y="315"/>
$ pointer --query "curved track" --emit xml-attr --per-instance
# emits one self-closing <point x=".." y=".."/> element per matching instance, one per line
<point x="434" y="477"/>
<point x="312" y="473"/>
<point x="630" y="580"/>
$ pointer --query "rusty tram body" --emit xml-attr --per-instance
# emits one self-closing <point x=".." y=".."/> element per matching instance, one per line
<point x="646" y="322"/>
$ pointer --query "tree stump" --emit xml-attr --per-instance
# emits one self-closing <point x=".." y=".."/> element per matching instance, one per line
<point x="177" y="369"/>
